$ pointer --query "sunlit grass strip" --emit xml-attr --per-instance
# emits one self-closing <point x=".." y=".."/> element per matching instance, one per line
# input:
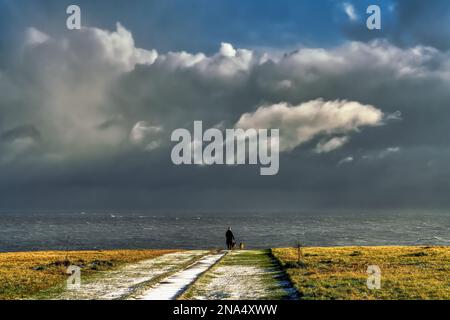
<point x="340" y="273"/>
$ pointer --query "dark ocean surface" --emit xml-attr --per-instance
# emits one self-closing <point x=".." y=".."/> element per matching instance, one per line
<point x="93" y="230"/>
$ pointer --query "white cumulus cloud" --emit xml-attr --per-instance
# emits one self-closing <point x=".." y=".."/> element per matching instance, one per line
<point x="302" y="123"/>
<point x="325" y="146"/>
<point x="346" y="160"/>
<point x="349" y="10"/>
<point x="146" y="135"/>
<point x="35" y="37"/>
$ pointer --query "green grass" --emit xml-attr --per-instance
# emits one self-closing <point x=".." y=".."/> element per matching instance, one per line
<point x="340" y="273"/>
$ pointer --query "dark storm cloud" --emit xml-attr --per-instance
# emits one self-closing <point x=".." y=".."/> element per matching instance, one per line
<point x="103" y="109"/>
<point x="25" y="131"/>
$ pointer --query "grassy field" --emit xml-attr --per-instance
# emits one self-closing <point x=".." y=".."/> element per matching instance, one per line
<point x="322" y="273"/>
<point x="34" y="274"/>
<point x="340" y="273"/>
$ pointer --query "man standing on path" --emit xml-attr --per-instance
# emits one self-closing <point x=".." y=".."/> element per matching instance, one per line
<point x="230" y="239"/>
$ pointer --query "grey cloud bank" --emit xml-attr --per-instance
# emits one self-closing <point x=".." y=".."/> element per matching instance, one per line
<point x="86" y="117"/>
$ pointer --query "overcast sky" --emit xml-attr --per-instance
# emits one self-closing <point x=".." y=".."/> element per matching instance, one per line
<point x="86" y="115"/>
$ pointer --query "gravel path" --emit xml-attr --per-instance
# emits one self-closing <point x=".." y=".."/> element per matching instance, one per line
<point x="237" y="275"/>
<point x="120" y="283"/>
<point x="243" y="275"/>
<point x="172" y="287"/>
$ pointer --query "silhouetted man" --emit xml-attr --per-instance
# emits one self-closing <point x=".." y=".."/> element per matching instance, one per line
<point x="230" y="239"/>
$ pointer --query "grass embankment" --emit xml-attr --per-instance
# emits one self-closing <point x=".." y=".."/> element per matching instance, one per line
<point x="340" y="273"/>
<point x="32" y="274"/>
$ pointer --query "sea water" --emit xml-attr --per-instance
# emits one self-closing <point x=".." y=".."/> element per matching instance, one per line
<point x="108" y="230"/>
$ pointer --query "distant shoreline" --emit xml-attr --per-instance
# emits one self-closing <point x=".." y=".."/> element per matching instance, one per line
<point x="218" y="248"/>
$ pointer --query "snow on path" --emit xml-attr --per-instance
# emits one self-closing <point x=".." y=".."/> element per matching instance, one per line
<point x="172" y="287"/>
<point x="118" y="283"/>
<point x="243" y="275"/>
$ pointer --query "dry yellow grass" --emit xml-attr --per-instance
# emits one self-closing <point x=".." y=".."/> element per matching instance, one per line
<point x="25" y="274"/>
<point x="340" y="273"/>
